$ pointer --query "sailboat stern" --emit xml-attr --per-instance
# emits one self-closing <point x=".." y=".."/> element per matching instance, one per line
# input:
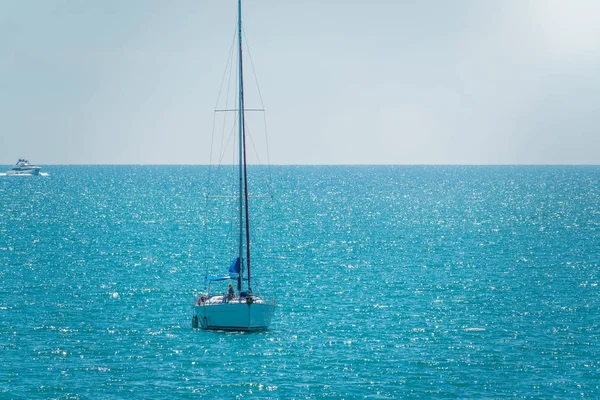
<point x="235" y="315"/>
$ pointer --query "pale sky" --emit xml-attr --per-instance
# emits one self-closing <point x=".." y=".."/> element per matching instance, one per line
<point x="343" y="82"/>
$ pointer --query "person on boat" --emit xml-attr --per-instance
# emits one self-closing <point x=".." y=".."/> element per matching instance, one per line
<point x="231" y="293"/>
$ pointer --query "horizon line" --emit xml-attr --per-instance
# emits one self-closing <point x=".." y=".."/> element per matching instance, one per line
<point x="328" y="165"/>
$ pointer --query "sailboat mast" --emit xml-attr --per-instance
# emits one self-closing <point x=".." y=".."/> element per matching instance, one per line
<point x="244" y="146"/>
<point x="243" y="172"/>
<point x="240" y="147"/>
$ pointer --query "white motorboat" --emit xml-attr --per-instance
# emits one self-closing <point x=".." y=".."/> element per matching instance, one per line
<point x="25" y="168"/>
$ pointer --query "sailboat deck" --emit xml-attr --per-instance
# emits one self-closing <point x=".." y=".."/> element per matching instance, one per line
<point x="222" y="300"/>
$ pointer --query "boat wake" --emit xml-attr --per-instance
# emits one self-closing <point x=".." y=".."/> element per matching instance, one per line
<point x="40" y="174"/>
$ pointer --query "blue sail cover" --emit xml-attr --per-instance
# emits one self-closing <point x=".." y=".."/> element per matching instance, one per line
<point x="234" y="272"/>
<point x="234" y="269"/>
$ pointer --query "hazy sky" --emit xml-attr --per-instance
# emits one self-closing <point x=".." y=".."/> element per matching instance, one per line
<point x="344" y="82"/>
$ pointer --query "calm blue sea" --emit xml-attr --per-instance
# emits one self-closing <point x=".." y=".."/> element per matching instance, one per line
<point x="427" y="282"/>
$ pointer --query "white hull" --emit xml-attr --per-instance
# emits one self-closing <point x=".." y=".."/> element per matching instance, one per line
<point x="236" y="315"/>
<point x="27" y="172"/>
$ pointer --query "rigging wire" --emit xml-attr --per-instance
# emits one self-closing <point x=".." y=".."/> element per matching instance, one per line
<point x="228" y="67"/>
<point x="221" y="154"/>
<point x="262" y="104"/>
<point x="227" y="142"/>
<point x="270" y="180"/>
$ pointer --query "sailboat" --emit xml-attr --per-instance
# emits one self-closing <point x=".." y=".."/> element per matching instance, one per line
<point x="242" y="310"/>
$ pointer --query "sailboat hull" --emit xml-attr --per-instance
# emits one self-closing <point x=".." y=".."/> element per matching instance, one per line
<point x="235" y="316"/>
